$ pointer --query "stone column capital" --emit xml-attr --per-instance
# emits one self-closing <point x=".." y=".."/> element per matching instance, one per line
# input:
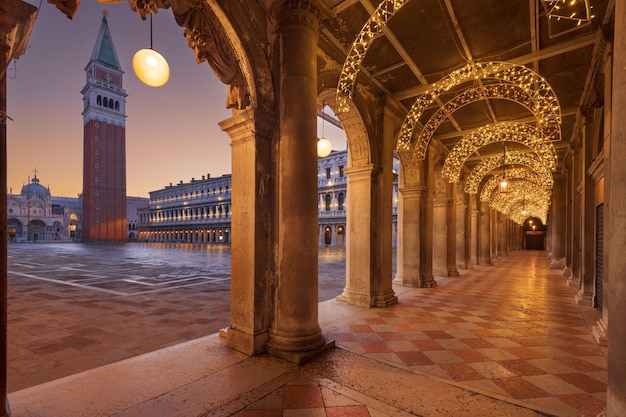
<point x="362" y="172"/>
<point x="298" y="13"/>
<point x="412" y="191"/>
<point x="247" y="125"/>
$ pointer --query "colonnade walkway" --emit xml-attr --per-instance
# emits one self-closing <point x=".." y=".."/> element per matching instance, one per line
<point x="501" y="340"/>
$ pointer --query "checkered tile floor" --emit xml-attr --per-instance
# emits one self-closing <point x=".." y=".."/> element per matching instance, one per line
<point x="511" y="331"/>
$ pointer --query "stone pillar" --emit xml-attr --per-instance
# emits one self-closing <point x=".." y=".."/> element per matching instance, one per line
<point x="557" y="224"/>
<point x="616" y="243"/>
<point x="462" y="227"/>
<point x="3" y="241"/>
<point x="452" y="270"/>
<point x="576" y="216"/>
<point x="426" y="233"/>
<point x="365" y="285"/>
<point x="502" y="234"/>
<point x="484" y="234"/>
<point x="569" y="212"/>
<point x="251" y="250"/>
<point x="409" y="244"/>
<point x="585" y="287"/>
<point x="294" y="332"/>
<point x="440" y="234"/>
<point x="474" y="215"/>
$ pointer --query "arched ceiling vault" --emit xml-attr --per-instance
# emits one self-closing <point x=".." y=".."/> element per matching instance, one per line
<point x="452" y="64"/>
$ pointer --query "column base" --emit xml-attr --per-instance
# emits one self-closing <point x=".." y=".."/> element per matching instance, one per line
<point x="429" y="282"/>
<point x="297" y="349"/>
<point x="567" y="272"/>
<point x="557" y="263"/>
<point x="407" y="281"/>
<point x="245" y="342"/>
<point x="453" y="272"/>
<point x="385" y="300"/>
<point x="573" y="281"/>
<point x="582" y="299"/>
<point x="599" y="331"/>
<point x="485" y="261"/>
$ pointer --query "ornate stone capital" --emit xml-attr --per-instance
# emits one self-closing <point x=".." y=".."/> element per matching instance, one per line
<point x="302" y="12"/>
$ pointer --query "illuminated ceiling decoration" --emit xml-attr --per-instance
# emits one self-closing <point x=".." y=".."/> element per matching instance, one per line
<point x="498" y="132"/>
<point x="523" y="191"/>
<point x="532" y="210"/>
<point x="528" y="159"/>
<point x="352" y="65"/>
<point x="513" y="174"/>
<point x="545" y="106"/>
<point x="565" y="16"/>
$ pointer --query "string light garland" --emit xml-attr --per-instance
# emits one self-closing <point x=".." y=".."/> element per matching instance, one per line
<point x="498" y="132"/>
<point x="545" y="105"/>
<point x="578" y="12"/>
<point x="532" y="210"/>
<point x="352" y="65"/>
<point x="521" y="191"/>
<point x="513" y="174"/>
<point x="528" y="159"/>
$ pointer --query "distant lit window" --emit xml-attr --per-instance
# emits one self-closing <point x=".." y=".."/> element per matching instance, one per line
<point x="340" y="200"/>
<point x="327" y="199"/>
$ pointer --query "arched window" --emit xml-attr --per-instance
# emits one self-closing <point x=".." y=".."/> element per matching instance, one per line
<point x="99" y="100"/>
<point x="340" y="200"/>
<point x="105" y="102"/>
<point x="327" y="199"/>
<point x="111" y="103"/>
<point x="117" y="105"/>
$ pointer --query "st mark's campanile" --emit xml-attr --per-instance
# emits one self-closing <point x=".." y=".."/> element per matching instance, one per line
<point x="104" y="160"/>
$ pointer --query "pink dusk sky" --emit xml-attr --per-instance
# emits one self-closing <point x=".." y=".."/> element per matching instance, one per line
<point x="171" y="132"/>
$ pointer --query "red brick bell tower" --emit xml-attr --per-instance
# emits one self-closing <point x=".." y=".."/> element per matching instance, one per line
<point x="104" y="160"/>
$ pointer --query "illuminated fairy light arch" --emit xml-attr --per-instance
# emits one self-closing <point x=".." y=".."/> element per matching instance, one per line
<point x="528" y="159"/>
<point x="498" y="132"/>
<point x="531" y="209"/>
<point x="546" y="107"/>
<point x="549" y="127"/>
<point x="513" y="174"/>
<point x="352" y="65"/>
<point x="524" y="191"/>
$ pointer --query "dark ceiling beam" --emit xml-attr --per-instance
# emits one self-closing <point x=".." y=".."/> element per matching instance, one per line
<point x="549" y="52"/>
<point x="530" y="119"/>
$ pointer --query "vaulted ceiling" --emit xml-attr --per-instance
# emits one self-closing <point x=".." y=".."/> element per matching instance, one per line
<point x="427" y="40"/>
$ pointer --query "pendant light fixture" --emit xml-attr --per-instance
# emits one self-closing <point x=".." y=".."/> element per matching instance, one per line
<point x="324" y="147"/>
<point x="150" y="66"/>
<point x="504" y="184"/>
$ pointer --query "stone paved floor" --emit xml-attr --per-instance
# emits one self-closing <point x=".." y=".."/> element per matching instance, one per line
<point x="497" y="335"/>
<point x="73" y="307"/>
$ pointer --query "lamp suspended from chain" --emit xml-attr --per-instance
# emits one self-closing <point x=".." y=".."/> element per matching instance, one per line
<point x="150" y="66"/>
<point x="504" y="184"/>
<point x="324" y="147"/>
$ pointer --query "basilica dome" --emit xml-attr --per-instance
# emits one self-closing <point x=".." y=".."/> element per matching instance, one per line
<point x="34" y="189"/>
